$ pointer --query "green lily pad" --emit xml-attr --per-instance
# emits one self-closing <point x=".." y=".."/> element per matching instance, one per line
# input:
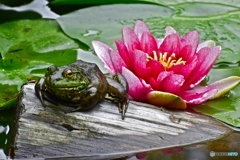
<point x="105" y="22"/>
<point x="27" y="48"/>
<point x="94" y="2"/>
<point x="227" y="107"/>
<point x="218" y="22"/>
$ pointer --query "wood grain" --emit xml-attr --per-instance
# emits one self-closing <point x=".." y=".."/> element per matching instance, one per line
<point x="101" y="133"/>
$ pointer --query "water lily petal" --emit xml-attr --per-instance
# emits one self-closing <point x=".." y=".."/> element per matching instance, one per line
<point x="139" y="63"/>
<point x="188" y="68"/>
<point x="225" y="85"/>
<point x="173" y="83"/>
<point x="187" y="53"/>
<point x="208" y="43"/>
<point x="117" y="61"/>
<point x="171" y="44"/>
<point x="103" y="51"/>
<point x="191" y="39"/>
<point x="165" y="99"/>
<point x="153" y="83"/>
<point x="199" y="94"/>
<point x="148" y="43"/>
<point x="154" y="68"/>
<point x="215" y="90"/>
<point x="176" y="68"/>
<point x="159" y="42"/>
<point x="169" y="30"/>
<point x="139" y="28"/>
<point x="130" y="39"/>
<point x="138" y="89"/>
<point x="124" y="53"/>
<point x="161" y="76"/>
<point x="206" y="57"/>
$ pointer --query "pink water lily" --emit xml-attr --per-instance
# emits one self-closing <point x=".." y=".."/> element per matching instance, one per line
<point x="165" y="72"/>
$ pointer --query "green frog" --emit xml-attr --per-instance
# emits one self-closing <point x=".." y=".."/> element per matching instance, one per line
<point x="82" y="85"/>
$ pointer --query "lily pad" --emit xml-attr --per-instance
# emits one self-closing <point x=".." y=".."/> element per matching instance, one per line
<point x="105" y="22"/>
<point x="218" y="22"/>
<point x="27" y="48"/>
<point x="226" y="108"/>
<point x="81" y="2"/>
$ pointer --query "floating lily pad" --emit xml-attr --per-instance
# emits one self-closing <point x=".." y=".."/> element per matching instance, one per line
<point x="226" y="108"/>
<point x="218" y="22"/>
<point x="104" y="23"/>
<point x="27" y="48"/>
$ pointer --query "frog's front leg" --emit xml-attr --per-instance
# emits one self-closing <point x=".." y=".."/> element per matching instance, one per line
<point x="122" y="105"/>
<point x="39" y="89"/>
<point x="117" y="92"/>
<point x="122" y="80"/>
<point x="42" y="93"/>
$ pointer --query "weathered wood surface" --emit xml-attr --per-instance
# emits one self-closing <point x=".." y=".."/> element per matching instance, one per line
<point x="49" y="132"/>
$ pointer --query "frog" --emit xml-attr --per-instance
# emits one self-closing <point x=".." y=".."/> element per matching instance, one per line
<point x="82" y="85"/>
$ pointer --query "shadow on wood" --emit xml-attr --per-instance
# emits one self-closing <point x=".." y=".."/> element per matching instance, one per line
<point x="101" y="133"/>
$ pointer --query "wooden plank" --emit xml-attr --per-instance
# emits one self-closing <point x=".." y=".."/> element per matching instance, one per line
<point x="100" y="133"/>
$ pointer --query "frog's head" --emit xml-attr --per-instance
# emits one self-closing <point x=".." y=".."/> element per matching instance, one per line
<point x="65" y="78"/>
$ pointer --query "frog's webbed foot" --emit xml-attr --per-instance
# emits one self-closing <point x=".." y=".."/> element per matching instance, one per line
<point x="122" y="107"/>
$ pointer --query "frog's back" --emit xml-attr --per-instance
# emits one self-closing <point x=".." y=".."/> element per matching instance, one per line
<point x="87" y="67"/>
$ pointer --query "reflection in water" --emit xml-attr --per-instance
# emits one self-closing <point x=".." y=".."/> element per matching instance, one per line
<point x="4" y="131"/>
<point x="5" y="139"/>
<point x="7" y="118"/>
<point x="38" y="6"/>
<point x="2" y="154"/>
<point x="227" y="147"/>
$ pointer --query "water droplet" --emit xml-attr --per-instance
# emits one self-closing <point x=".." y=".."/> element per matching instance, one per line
<point x="91" y="33"/>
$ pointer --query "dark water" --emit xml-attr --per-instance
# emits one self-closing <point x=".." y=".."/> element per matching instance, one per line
<point x="227" y="147"/>
<point x="7" y="131"/>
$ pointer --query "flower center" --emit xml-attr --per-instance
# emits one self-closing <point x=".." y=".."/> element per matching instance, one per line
<point x="165" y="60"/>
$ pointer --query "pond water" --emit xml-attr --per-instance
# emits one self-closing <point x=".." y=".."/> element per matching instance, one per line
<point x="225" y="147"/>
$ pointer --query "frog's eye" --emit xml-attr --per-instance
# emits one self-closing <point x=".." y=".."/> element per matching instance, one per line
<point x="68" y="73"/>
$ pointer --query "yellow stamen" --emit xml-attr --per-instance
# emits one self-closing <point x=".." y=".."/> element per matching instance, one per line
<point x="155" y="56"/>
<point x="165" y="60"/>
